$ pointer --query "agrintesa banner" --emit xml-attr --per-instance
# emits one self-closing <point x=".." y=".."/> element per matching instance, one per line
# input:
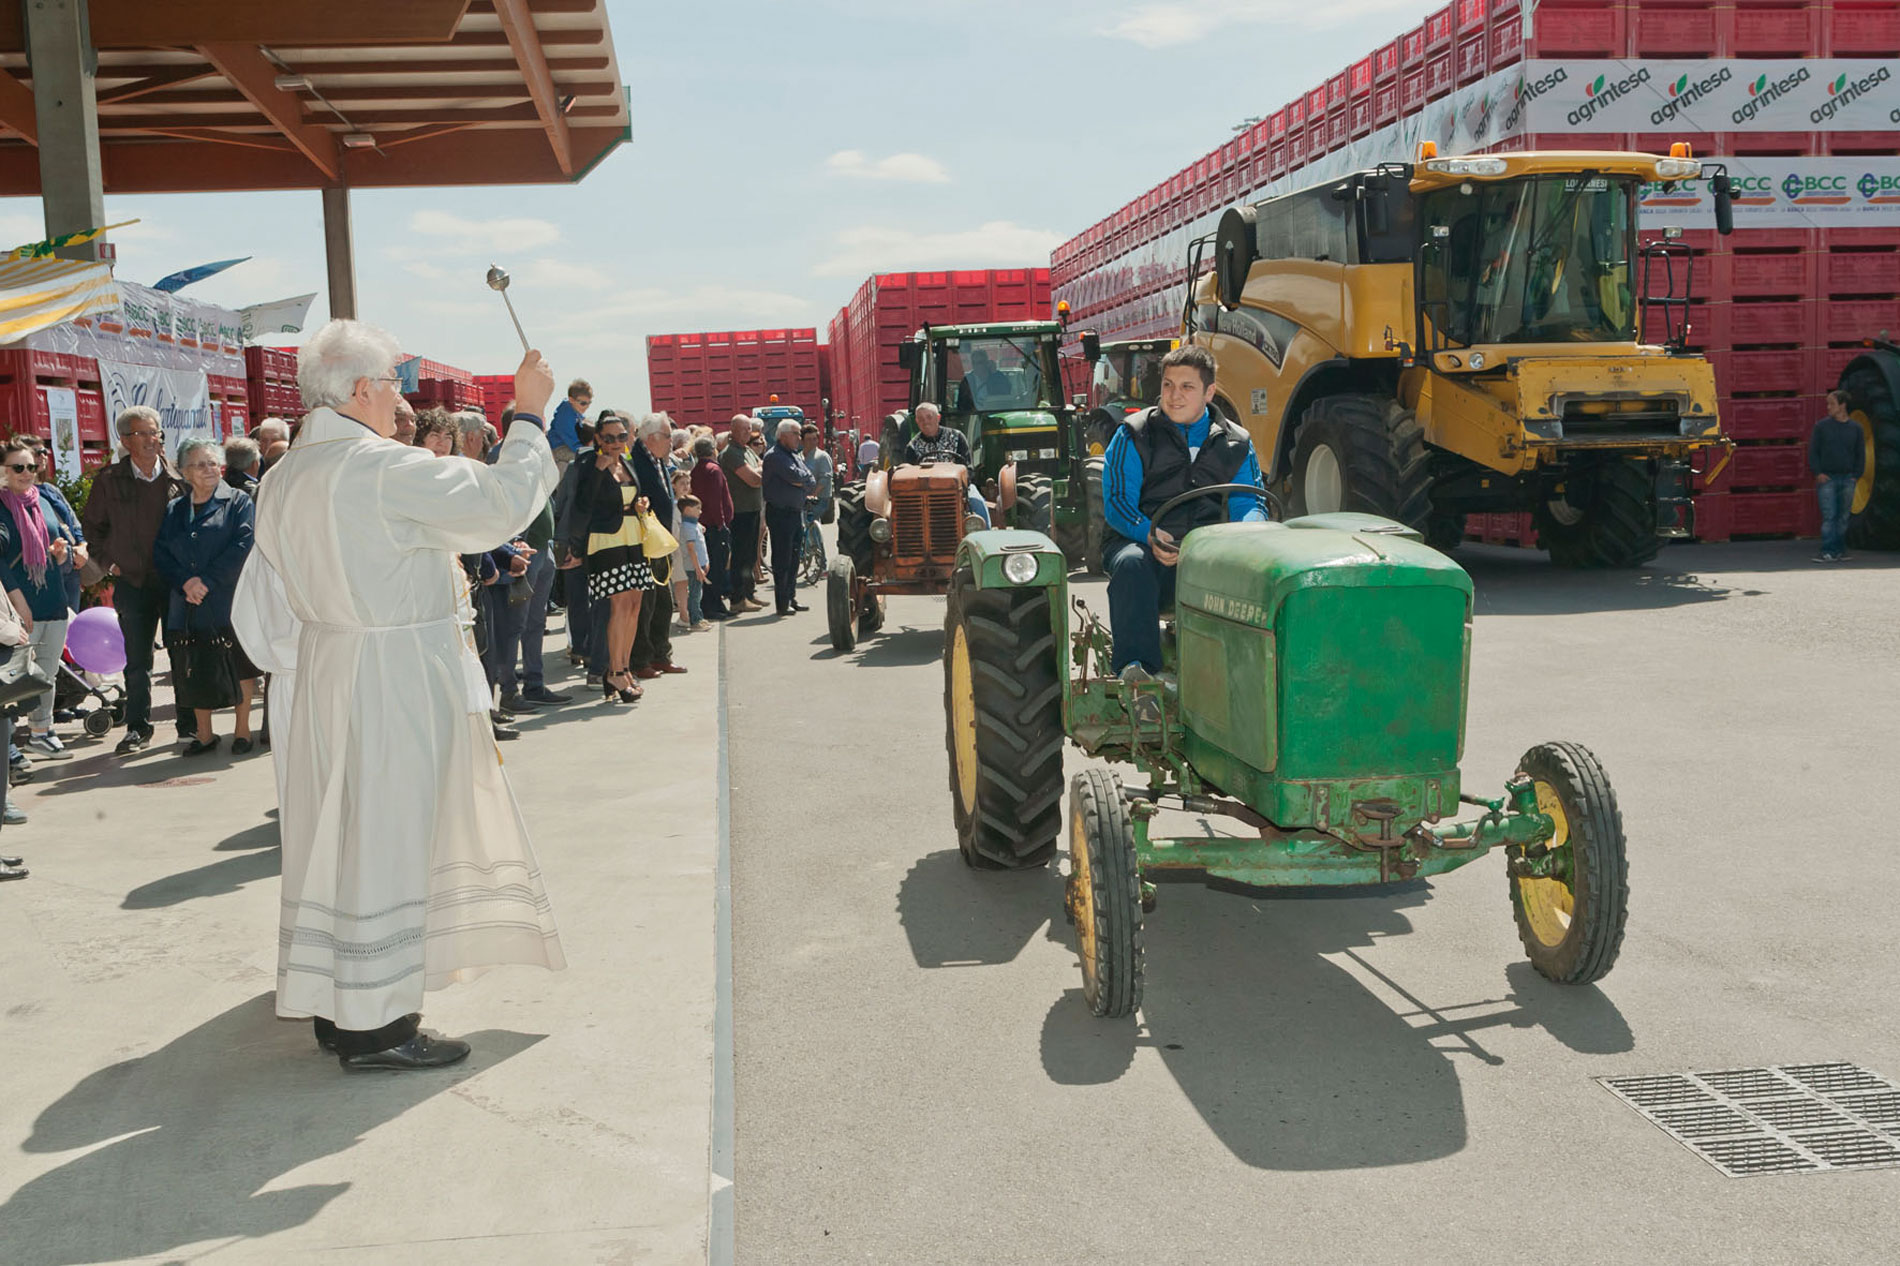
<point x="1816" y="95"/>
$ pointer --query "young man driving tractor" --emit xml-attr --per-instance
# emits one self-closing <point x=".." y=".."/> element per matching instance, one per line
<point x="1156" y="455"/>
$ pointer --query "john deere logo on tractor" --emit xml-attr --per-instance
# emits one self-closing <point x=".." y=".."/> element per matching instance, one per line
<point x="1841" y="93"/>
<point x="1762" y="95"/>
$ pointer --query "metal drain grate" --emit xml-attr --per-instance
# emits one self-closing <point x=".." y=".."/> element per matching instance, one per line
<point x="1795" y="1118"/>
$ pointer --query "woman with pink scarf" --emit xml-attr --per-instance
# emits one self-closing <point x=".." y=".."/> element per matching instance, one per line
<point x="30" y="556"/>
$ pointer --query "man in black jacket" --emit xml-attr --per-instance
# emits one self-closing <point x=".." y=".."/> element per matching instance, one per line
<point x="1837" y="455"/>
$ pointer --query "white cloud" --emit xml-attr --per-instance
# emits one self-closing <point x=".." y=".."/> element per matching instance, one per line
<point x="1168" y="25"/>
<point x="563" y="274"/>
<point x="999" y="243"/>
<point x="459" y="236"/>
<point x="912" y="168"/>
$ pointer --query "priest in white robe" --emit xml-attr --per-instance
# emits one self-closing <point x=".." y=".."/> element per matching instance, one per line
<point x="407" y="864"/>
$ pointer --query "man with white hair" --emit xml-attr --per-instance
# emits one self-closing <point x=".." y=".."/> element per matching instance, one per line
<point x="406" y="861"/>
<point x="935" y="442"/>
<point x="652" y="653"/>
<point x="273" y="438"/>
<point x="787" y="482"/>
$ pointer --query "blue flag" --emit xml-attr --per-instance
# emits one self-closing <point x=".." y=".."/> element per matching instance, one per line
<point x="179" y="280"/>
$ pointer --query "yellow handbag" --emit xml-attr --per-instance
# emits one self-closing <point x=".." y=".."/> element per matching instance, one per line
<point x="655" y="540"/>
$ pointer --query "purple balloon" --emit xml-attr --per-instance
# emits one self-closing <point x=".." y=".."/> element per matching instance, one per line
<point x="95" y="642"/>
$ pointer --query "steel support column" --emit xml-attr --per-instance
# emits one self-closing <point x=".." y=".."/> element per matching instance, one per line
<point x="63" y="61"/>
<point x="339" y="252"/>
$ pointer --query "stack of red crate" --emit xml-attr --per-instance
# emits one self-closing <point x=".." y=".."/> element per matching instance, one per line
<point x="706" y="378"/>
<point x="270" y="375"/>
<point x="25" y="376"/>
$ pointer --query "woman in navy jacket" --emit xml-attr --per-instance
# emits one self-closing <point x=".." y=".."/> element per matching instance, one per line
<point x="201" y="548"/>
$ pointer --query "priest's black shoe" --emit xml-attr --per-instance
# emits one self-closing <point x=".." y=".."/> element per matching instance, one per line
<point x="420" y="1051"/>
<point x="326" y="1036"/>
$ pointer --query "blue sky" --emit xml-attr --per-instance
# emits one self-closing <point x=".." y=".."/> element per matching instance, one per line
<point x="781" y="153"/>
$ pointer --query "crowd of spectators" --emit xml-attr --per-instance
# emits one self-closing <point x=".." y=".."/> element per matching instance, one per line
<point x="653" y="532"/>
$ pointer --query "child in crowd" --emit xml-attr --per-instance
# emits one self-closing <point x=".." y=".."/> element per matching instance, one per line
<point x="693" y="546"/>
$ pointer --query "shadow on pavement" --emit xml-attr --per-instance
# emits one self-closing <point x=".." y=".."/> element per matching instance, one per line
<point x="1531" y="586"/>
<point x="958" y="917"/>
<point x="1290" y="1058"/>
<point x="194" y="1132"/>
<point x="890" y="647"/>
<point x="263" y="835"/>
<point x="213" y="879"/>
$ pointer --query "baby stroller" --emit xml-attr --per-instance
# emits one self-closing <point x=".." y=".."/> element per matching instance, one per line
<point x="93" y="701"/>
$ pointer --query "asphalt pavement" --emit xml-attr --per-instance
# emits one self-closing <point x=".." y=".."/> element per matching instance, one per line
<point x="1327" y="1078"/>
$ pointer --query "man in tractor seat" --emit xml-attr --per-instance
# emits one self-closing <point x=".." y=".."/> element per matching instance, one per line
<point x="1157" y="455"/>
<point x="936" y="443"/>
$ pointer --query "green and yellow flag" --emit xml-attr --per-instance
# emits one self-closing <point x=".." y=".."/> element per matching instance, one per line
<point x="40" y="250"/>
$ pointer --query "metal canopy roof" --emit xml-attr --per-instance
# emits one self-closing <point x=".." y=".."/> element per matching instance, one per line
<point x="399" y="92"/>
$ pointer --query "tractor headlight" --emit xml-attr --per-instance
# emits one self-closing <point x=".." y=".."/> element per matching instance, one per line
<point x="1020" y="569"/>
<point x="1467" y="166"/>
<point x="973" y="523"/>
<point x="1677" y="169"/>
<point x="880" y="530"/>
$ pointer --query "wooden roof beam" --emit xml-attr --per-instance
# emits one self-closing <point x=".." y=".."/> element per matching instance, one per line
<point x="517" y="23"/>
<point x="154" y="81"/>
<point x="256" y="78"/>
<point x="17" y="110"/>
<point x="180" y="23"/>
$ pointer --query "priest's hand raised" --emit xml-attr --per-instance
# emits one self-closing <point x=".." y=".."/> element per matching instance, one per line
<point x="534" y="386"/>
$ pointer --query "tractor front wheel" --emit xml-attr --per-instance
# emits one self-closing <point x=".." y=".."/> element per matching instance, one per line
<point x="1002" y="705"/>
<point x="854" y="528"/>
<point x="840" y="613"/>
<point x="1364" y="453"/>
<point x="1572" y="923"/>
<point x="1605" y="517"/>
<point x="1104" y="893"/>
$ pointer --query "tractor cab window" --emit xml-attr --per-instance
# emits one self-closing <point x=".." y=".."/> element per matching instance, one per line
<point x="1127" y="375"/>
<point x="991" y="375"/>
<point x="1540" y="260"/>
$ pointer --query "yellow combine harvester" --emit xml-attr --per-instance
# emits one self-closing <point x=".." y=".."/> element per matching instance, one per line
<point x="1463" y="335"/>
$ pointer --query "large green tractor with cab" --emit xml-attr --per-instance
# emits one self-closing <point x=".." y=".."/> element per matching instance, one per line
<point x="1314" y="693"/>
<point x="1000" y="383"/>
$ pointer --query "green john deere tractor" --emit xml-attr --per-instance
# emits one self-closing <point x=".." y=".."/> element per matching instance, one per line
<point x="1314" y="692"/>
<point x="1000" y="383"/>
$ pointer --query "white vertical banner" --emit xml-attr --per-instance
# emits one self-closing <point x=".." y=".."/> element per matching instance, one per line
<point x="182" y="398"/>
<point x="62" y="404"/>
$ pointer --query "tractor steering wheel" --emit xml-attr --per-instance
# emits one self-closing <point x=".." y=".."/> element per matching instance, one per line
<point x="1277" y="511"/>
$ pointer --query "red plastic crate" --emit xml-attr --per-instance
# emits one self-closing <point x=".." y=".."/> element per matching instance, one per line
<point x="1763" y="276"/>
<point x="1385" y="62"/>
<point x="1828" y="364"/>
<point x="1471" y="58"/>
<point x="1708" y="323"/>
<point x="1850" y="320"/>
<point x="1385" y="104"/>
<point x="1762" y="370"/>
<point x="1862" y="272"/>
<point x="1763" y="467"/>
<point x="1774" y="30"/>
<point x="1468" y="16"/>
<point x="1659" y="31"/>
<point x="1771" y="514"/>
<point x="92" y="417"/>
<point x="1507" y="41"/>
<point x="1359" y="116"/>
<point x="1769" y="144"/>
<point x="1862" y="29"/>
<point x="1852" y="143"/>
<point x="1786" y="418"/>
<point x="1412" y="48"/>
<point x="1712" y="518"/>
<point x="1438" y="75"/>
<point x="1412" y="90"/>
<point x="1439" y="28"/>
<point x="1581" y="30"/>
<point x="1767" y="321"/>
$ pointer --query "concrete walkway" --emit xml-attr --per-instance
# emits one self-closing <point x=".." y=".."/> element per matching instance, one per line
<point x="154" y="1109"/>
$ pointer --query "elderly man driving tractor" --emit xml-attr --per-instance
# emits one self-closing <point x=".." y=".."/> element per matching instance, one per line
<point x="934" y="443"/>
<point x="1157" y="455"/>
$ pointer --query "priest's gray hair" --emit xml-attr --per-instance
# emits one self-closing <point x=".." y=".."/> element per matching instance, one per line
<point x="789" y="426"/>
<point x="656" y="424"/>
<point x="340" y="355"/>
<point x="195" y="445"/>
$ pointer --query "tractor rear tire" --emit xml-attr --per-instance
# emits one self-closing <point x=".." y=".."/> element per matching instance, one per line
<point x="1572" y="927"/>
<point x="1612" y="508"/>
<point x="1002" y="703"/>
<point x="1098" y="518"/>
<point x="1871" y="401"/>
<point x="1035" y="504"/>
<point x="1364" y="453"/>
<point x="840" y="619"/>
<point x="1445" y="532"/>
<point x="1104" y="894"/>
<point x="854" y="528"/>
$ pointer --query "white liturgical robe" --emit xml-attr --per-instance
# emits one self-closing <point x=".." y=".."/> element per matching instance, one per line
<point x="407" y="864"/>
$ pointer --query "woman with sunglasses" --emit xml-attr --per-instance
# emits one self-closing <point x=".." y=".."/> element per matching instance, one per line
<point x="31" y="555"/>
<point x="604" y="528"/>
